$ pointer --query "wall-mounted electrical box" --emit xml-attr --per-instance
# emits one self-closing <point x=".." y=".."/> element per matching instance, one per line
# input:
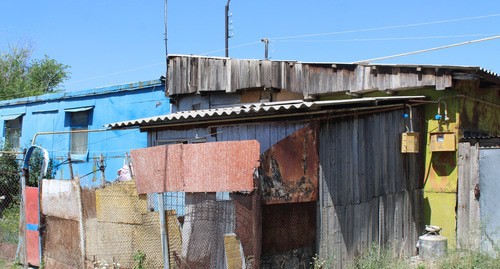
<point x="443" y="141"/>
<point x="409" y="142"/>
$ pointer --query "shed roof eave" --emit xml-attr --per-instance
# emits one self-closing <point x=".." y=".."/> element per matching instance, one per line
<point x="259" y="110"/>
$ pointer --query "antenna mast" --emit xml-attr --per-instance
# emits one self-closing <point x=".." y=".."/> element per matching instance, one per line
<point x="227" y="28"/>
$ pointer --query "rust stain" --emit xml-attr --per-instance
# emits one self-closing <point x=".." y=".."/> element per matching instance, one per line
<point x="289" y="169"/>
<point x="206" y="167"/>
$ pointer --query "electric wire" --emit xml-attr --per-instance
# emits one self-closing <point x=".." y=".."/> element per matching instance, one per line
<point x="386" y="38"/>
<point x="426" y="50"/>
<point x="299" y="36"/>
<point x="387" y="27"/>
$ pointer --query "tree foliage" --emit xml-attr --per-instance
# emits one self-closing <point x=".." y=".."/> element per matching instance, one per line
<point x="21" y="76"/>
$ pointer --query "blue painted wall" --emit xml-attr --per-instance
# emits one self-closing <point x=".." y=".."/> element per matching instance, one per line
<point x="46" y="113"/>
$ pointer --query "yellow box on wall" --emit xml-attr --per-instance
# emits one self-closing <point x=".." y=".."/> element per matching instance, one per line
<point x="409" y="142"/>
<point x="442" y="141"/>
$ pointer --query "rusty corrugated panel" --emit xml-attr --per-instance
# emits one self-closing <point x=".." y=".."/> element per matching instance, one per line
<point x="289" y="169"/>
<point x="207" y="167"/>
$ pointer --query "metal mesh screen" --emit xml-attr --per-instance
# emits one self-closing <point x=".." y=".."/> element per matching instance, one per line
<point x="210" y="230"/>
<point x="9" y="206"/>
<point x="288" y="239"/>
<point x="123" y="231"/>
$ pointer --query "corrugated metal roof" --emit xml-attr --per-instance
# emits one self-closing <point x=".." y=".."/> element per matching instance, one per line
<point x="83" y="93"/>
<point x="254" y="109"/>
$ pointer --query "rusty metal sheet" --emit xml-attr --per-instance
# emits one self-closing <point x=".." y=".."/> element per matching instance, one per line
<point x="207" y="167"/>
<point x="289" y="169"/>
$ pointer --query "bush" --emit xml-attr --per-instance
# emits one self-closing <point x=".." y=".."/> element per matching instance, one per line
<point x="9" y="181"/>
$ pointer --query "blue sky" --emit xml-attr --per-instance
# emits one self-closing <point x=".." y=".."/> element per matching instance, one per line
<point x="116" y="42"/>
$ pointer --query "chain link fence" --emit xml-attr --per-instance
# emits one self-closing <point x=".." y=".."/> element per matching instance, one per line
<point x="9" y="205"/>
<point x="211" y="230"/>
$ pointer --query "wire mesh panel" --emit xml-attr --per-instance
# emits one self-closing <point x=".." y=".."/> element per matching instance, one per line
<point x="122" y="232"/>
<point x="211" y="230"/>
<point x="9" y="206"/>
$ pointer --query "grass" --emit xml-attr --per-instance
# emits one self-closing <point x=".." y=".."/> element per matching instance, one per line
<point x="465" y="259"/>
<point x="384" y="258"/>
<point x="9" y="265"/>
<point x="9" y="225"/>
<point x="377" y="257"/>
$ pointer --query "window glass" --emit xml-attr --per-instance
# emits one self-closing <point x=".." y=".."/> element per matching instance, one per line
<point x="79" y="141"/>
<point x="13" y="132"/>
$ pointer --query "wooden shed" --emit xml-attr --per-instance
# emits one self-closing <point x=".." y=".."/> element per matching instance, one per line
<point x="342" y="125"/>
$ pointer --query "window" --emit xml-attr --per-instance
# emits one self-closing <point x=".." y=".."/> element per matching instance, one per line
<point x="79" y="121"/>
<point x="13" y="131"/>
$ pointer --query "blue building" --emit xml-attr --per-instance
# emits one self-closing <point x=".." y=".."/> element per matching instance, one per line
<point x="47" y="119"/>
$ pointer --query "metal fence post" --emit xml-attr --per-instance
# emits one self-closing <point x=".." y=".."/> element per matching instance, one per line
<point x="163" y="231"/>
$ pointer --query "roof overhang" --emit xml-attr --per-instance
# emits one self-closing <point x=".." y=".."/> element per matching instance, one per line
<point x="12" y="116"/>
<point x="260" y="111"/>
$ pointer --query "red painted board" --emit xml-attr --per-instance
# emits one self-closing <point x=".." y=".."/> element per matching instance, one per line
<point x="32" y="248"/>
<point x="205" y="167"/>
<point x="32" y="205"/>
<point x="32" y="236"/>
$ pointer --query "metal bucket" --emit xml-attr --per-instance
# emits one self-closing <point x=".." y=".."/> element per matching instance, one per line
<point x="432" y="246"/>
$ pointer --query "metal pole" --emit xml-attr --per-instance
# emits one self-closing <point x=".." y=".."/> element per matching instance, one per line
<point x="70" y="166"/>
<point x="163" y="231"/>
<point x="266" y="43"/>
<point x="23" y="217"/>
<point x="83" y="250"/>
<point x="227" y="28"/>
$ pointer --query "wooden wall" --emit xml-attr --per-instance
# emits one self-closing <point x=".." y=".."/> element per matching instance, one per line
<point x="369" y="190"/>
<point x="195" y="74"/>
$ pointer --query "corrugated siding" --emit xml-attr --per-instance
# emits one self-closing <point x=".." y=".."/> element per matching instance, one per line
<point x="369" y="189"/>
<point x="229" y="75"/>
<point x="266" y="133"/>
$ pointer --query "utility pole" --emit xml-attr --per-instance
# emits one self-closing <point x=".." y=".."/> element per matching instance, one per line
<point x="227" y="28"/>
<point x="266" y="43"/>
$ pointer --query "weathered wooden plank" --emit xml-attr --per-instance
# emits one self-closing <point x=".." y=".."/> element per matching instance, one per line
<point x="468" y="215"/>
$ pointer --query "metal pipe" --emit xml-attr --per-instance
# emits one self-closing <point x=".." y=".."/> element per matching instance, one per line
<point x="163" y="231"/>
<point x="411" y="118"/>
<point x="80" y="221"/>
<point x="33" y="141"/>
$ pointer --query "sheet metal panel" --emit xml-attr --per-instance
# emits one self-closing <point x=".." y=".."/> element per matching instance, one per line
<point x="289" y="170"/>
<point x="205" y="167"/>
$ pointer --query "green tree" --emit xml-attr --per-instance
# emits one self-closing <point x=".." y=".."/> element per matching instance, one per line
<point x="21" y="76"/>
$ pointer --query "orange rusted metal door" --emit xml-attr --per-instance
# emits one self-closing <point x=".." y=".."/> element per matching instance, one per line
<point x="32" y="224"/>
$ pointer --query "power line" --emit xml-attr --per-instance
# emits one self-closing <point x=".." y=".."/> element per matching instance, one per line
<point x="116" y="73"/>
<point x="427" y="50"/>
<point x="387" y="27"/>
<point x="386" y="38"/>
<point x="299" y="36"/>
